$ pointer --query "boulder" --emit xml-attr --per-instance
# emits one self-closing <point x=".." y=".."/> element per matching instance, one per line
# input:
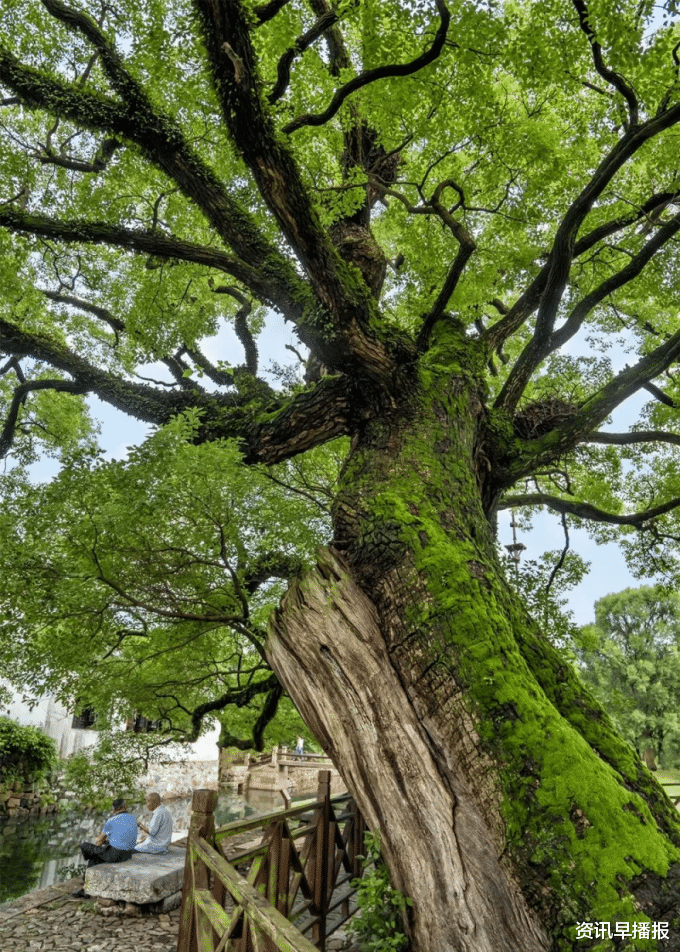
<point x="152" y="880"/>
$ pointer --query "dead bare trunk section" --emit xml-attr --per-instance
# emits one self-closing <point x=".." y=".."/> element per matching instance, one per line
<point x="326" y="646"/>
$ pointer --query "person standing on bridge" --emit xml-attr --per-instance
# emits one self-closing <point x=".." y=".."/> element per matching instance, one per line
<point x="159" y="829"/>
<point x="300" y="748"/>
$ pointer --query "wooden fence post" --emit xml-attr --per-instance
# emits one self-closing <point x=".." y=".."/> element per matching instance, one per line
<point x="320" y="884"/>
<point x="202" y="824"/>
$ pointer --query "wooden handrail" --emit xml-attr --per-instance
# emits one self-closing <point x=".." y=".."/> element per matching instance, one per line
<point x="287" y="879"/>
<point x="264" y="819"/>
<point x="266" y="916"/>
<point x="675" y="799"/>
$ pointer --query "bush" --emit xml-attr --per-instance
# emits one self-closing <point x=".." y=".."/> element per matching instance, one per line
<point x="382" y="907"/>
<point x="25" y="752"/>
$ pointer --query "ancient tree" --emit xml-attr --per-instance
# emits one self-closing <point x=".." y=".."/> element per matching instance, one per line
<point x="462" y="210"/>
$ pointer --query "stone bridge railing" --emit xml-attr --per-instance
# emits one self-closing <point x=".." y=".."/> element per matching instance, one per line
<point x="280" y="770"/>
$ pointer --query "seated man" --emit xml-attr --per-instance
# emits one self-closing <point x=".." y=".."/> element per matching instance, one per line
<point x="159" y="829"/>
<point x="116" y="842"/>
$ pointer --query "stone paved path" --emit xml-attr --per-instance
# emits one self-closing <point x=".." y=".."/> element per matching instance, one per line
<point x="52" y="920"/>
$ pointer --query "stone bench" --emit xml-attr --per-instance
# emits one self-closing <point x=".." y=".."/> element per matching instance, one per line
<point x="147" y="882"/>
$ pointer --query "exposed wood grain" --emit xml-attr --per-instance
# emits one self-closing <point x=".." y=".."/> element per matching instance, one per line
<point x="328" y="650"/>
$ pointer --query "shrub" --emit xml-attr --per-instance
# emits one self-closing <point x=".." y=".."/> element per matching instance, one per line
<point x="25" y="752"/>
<point x="382" y="907"/>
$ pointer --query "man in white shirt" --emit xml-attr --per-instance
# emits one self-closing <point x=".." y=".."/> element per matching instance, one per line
<point x="159" y="829"/>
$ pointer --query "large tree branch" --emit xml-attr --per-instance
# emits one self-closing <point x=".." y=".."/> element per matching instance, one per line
<point x="176" y="365"/>
<point x="329" y="409"/>
<point x="593" y="411"/>
<point x="237" y="698"/>
<point x="349" y="341"/>
<point x="96" y="165"/>
<point x="513" y="318"/>
<point x="659" y="395"/>
<point x="157" y="135"/>
<point x="343" y="331"/>
<point x="263" y="286"/>
<point x="267" y="714"/>
<point x="267" y="11"/>
<point x="302" y="43"/>
<point x="466" y="249"/>
<point x="380" y="72"/>
<point x="635" y="436"/>
<point x="584" y="510"/>
<point x="271" y="565"/>
<point x="338" y="55"/>
<point x="19" y="397"/>
<point x="609" y="75"/>
<point x="556" y="276"/>
<point x="103" y="313"/>
<point x="241" y="327"/>
<point x="634" y="267"/>
<point x="138" y="400"/>
<point x="13" y="364"/>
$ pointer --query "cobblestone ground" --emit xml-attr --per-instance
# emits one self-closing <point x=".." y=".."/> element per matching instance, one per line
<point x="52" y="920"/>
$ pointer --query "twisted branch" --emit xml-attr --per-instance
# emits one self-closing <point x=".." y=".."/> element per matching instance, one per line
<point x="584" y="510"/>
<point x="373" y="75"/>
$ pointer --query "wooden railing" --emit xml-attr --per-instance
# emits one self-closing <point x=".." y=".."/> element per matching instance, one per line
<point x="298" y="877"/>
<point x="671" y="783"/>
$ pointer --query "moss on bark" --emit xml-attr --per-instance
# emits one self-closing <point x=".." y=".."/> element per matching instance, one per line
<point x="576" y="817"/>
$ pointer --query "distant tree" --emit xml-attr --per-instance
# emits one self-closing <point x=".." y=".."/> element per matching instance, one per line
<point x="25" y="751"/>
<point x="630" y="658"/>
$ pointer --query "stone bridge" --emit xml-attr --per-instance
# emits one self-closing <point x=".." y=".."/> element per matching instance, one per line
<point x="280" y="770"/>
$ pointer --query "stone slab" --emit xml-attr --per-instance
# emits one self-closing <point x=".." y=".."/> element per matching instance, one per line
<point x="109" y="907"/>
<point x="144" y="878"/>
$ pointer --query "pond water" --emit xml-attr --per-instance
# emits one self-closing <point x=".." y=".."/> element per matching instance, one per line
<point x="33" y="849"/>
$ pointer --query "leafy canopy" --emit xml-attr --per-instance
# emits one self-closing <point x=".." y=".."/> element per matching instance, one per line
<point x="144" y="585"/>
<point x="368" y="171"/>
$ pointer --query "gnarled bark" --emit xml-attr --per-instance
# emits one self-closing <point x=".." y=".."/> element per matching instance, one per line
<point x="508" y="807"/>
<point x="326" y="645"/>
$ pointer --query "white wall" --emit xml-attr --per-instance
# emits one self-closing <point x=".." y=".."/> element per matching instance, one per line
<point x="20" y="711"/>
<point x="55" y="720"/>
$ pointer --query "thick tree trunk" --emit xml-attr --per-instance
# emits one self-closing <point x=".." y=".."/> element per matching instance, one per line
<point x="437" y="845"/>
<point x="509" y="809"/>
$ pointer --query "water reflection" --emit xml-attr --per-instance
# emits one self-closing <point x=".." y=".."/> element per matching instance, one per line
<point x="32" y="849"/>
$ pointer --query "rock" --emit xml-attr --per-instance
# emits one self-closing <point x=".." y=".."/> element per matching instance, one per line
<point x="145" y="878"/>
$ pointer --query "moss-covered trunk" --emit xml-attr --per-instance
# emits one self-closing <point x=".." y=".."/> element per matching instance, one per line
<point x="509" y="809"/>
